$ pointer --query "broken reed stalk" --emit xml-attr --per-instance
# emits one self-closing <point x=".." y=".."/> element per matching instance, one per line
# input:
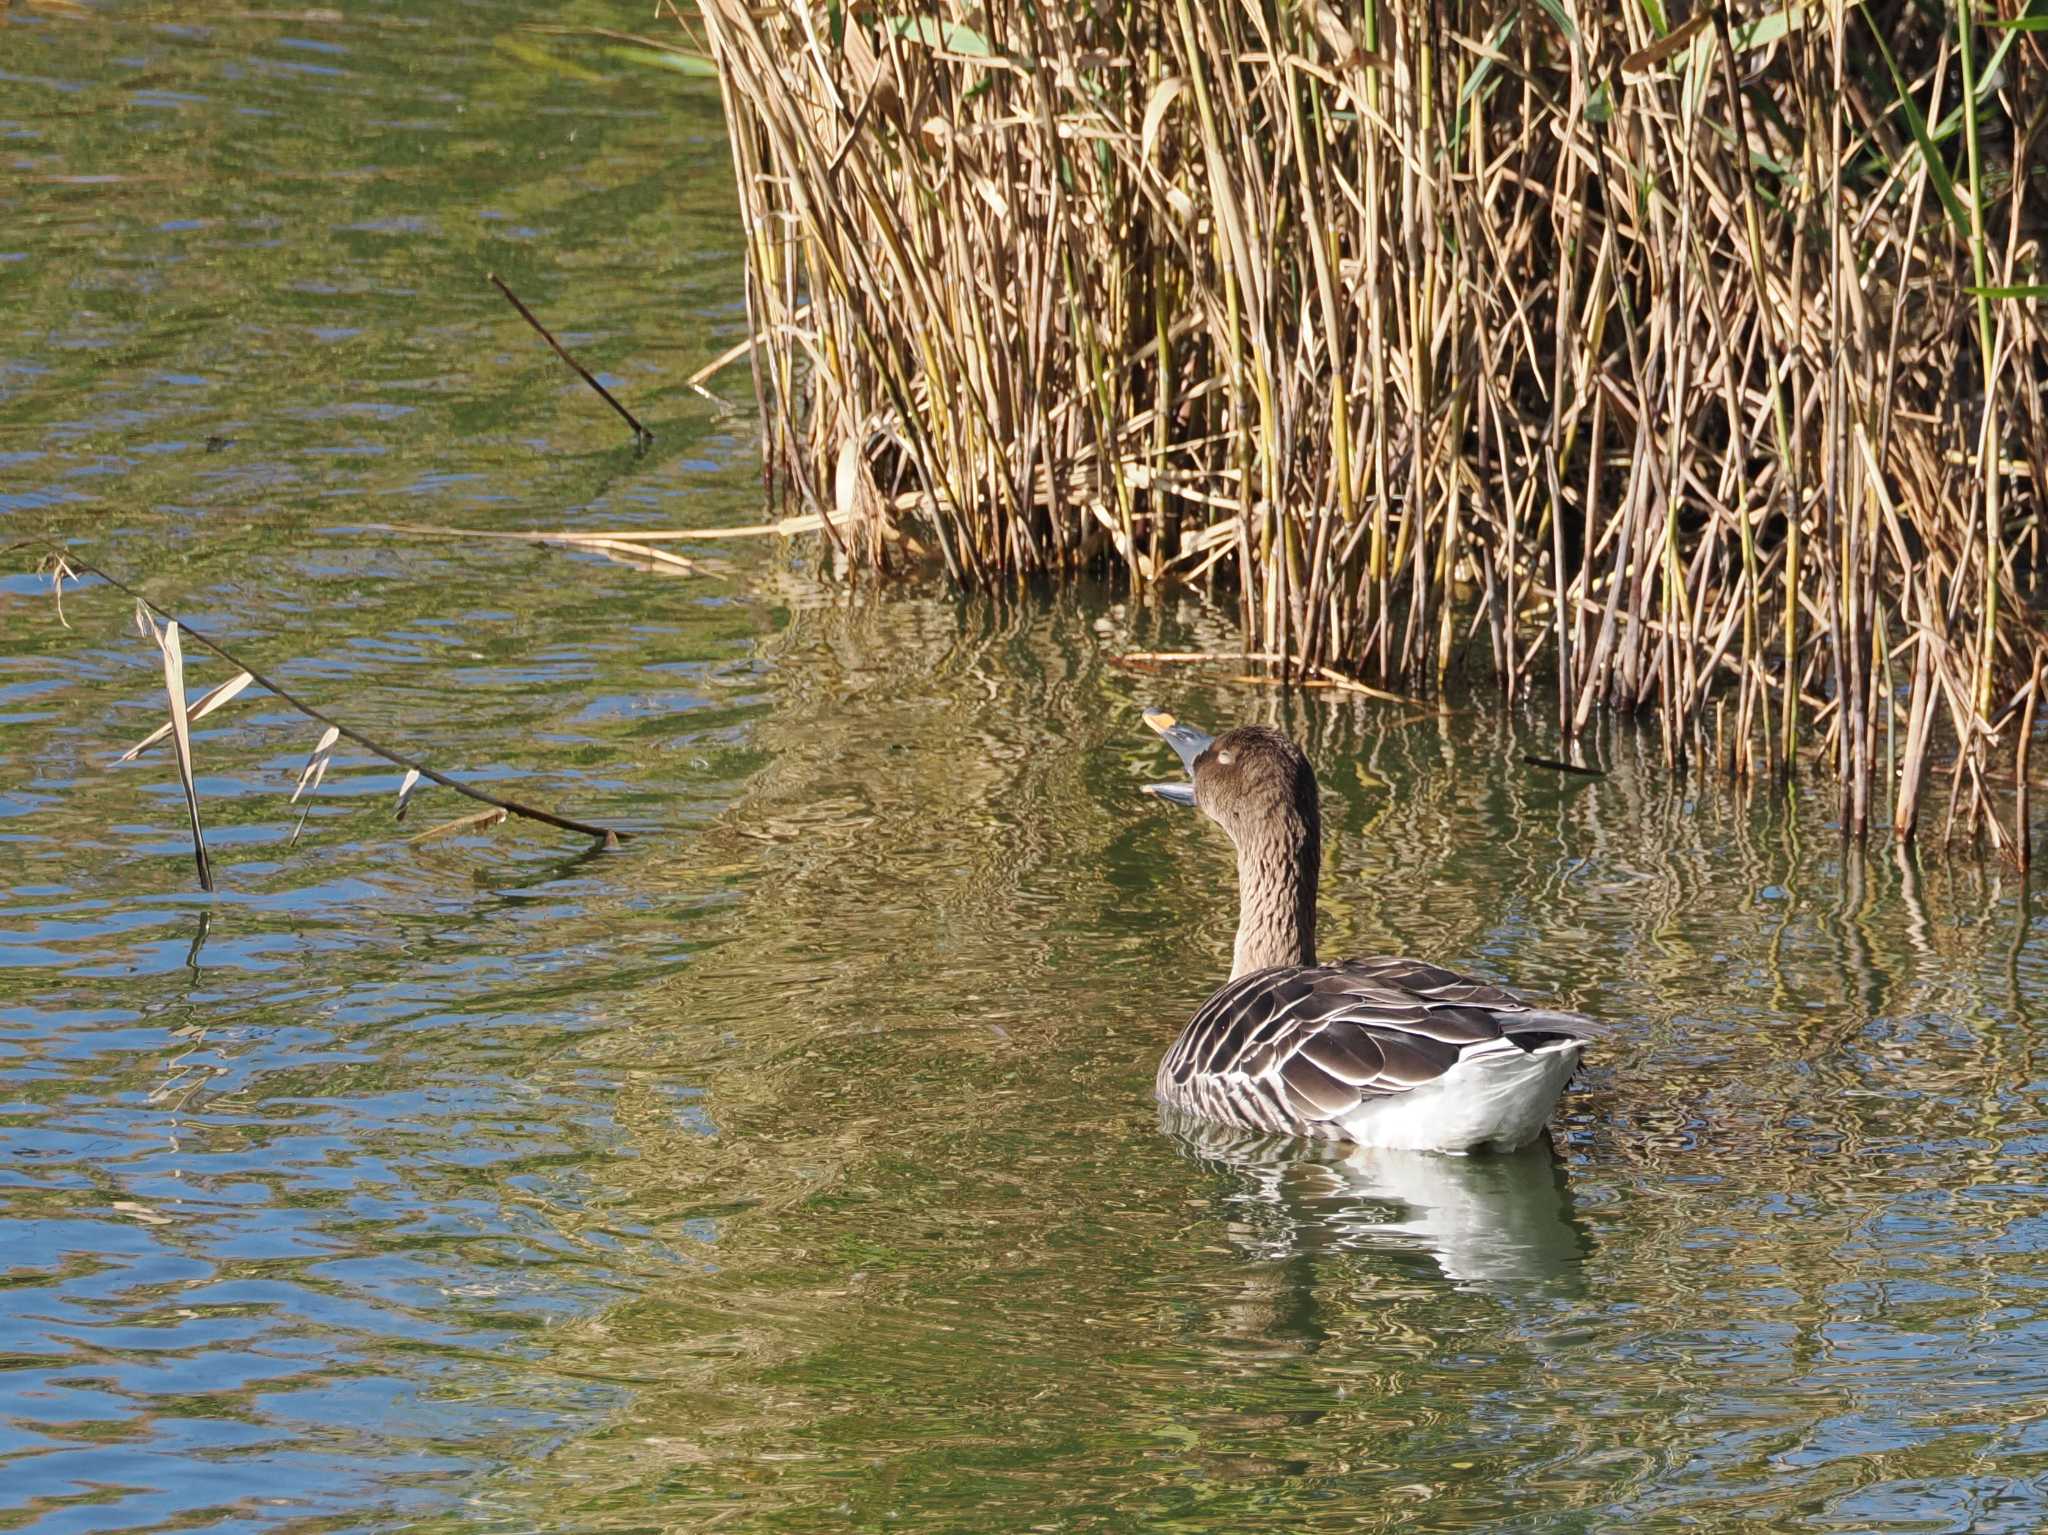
<point x="641" y="436"/>
<point x="2023" y="831"/>
<point x="415" y="770"/>
<point x="1673" y="360"/>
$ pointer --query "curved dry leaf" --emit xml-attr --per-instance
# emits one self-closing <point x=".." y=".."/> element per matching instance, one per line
<point x="1645" y="60"/>
<point x="1335" y="32"/>
<point x="316" y="765"/>
<point x="174" y="685"/>
<point x="1163" y="95"/>
<point x="846" y="481"/>
<point x="211" y="700"/>
<point x="60" y="572"/>
<point x="405" y="788"/>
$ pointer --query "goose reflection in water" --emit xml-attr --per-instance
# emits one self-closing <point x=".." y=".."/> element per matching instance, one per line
<point x="1500" y="1223"/>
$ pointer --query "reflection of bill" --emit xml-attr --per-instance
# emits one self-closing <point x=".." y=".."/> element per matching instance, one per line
<point x="1493" y="1222"/>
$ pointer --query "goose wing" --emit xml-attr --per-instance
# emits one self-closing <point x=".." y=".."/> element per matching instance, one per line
<point x="1306" y="1046"/>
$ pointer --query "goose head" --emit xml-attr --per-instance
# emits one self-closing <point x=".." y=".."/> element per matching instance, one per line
<point x="1257" y="785"/>
<point x="1251" y="781"/>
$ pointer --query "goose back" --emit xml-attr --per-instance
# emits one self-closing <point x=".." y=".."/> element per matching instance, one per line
<point x="1382" y="1051"/>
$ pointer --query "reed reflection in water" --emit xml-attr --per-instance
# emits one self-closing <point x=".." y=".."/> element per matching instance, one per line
<point x="1782" y="1267"/>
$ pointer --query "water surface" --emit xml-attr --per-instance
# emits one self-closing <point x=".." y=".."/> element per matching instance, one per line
<point x="794" y="1167"/>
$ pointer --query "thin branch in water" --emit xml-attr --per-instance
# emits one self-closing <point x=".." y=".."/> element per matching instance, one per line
<point x="1143" y="658"/>
<point x="1562" y="767"/>
<point x="642" y="438"/>
<point x="606" y="835"/>
<point x="788" y="527"/>
<point x="483" y="820"/>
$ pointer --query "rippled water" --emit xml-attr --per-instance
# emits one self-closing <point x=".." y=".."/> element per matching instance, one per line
<point x="794" y="1167"/>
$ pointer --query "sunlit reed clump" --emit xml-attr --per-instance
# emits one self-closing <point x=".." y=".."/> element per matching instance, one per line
<point x="1644" y="354"/>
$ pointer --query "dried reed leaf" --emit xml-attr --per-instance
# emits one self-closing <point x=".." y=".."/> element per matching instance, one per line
<point x="847" y="476"/>
<point x="1164" y="94"/>
<point x="60" y="572"/>
<point x="985" y="189"/>
<point x="316" y="764"/>
<point x="632" y="551"/>
<point x="1646" y="59"/>
<point x="1335" y="32"/>
<point x="174" y="686"/>
<point x="209" y="701"/>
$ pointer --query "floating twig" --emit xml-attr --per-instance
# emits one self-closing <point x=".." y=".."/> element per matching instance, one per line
<point x="606" y="835"/>
<point x="613" y="545"/>
<point x="1352" y="685"/>
<point x="483" y="820"/>
<point x="788" y="527"/>
<point x="632" y="551"/>
<point x="1557" y="766"/>
<point x="642" y="438"/>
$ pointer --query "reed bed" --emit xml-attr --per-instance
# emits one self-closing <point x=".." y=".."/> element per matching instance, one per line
<point x="1680" y="366"/>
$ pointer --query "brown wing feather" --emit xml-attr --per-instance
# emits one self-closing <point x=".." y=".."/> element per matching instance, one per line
<point x="1300" y="1047"/>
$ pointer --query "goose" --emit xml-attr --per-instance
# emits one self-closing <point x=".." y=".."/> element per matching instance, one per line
<point x="1385" y="1051"/>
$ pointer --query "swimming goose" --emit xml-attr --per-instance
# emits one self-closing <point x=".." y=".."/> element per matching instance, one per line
<point x="1382" y="1051"/>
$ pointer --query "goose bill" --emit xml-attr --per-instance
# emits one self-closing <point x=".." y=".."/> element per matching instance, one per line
<point x="1172" y="793"/>
<point x="1188" y="743"/>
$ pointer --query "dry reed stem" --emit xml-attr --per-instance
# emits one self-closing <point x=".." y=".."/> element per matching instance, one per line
<point x="1680" y="365"/>
<point x="181" y="740"/>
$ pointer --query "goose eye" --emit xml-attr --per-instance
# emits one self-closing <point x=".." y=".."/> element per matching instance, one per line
<point x="1226" y="758"/>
